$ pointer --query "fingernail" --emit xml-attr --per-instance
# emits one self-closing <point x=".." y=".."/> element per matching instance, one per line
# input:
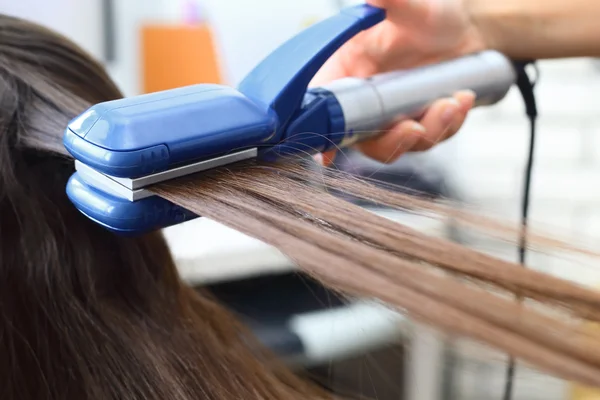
<point x="466" y="96"/>
<point x="450" y="111"/>
<point x="417" y="128"/>
<point x="319" y="159"/>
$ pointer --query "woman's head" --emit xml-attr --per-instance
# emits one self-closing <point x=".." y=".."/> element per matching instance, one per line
<point x="45" y="81"/>
<point x="63" y="281"/>
<point x="85" y="313"/>
<point x="46" y="75"/>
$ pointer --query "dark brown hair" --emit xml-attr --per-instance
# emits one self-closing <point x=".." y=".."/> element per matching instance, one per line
<point x="85" y="314"/>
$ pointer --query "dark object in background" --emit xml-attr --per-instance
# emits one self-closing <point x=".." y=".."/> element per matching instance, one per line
<point x="267" y="303"/>
<point x="108" y="30"/>
<point x="377" y="375"/>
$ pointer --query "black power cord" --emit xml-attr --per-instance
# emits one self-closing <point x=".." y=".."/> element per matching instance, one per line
<point x="526" y="86"/>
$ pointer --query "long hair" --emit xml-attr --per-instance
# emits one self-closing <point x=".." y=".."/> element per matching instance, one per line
<point x="86" y="314"/>
<point x="432" y="280"/>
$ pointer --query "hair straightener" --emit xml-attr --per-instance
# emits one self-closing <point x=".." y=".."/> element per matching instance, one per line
<point x="123" y="147"/>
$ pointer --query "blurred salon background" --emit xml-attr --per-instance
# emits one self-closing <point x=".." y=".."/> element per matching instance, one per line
<point x="151" y="45"/>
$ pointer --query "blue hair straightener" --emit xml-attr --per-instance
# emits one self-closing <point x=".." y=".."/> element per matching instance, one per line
<point x="122" y="147"/>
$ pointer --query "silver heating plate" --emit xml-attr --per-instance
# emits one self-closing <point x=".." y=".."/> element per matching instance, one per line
<point x="134" y="189"/>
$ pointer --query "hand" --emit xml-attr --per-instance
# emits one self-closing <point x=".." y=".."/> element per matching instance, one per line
<point x="415" y="33"/>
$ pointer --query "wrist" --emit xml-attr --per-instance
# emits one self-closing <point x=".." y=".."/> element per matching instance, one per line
<point x="489" y="21"/>
<point x="520" y="29"/>
<point x="536" y="29"/>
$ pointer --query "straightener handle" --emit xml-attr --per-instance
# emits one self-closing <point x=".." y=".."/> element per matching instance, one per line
<point x="367" y="106"/>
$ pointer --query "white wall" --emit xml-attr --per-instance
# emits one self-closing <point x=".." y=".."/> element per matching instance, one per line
<point x="250" y="33"/>
<point x="129" y="15"/>
<point x="245" y="31"/>
<point x="80" y="20"/>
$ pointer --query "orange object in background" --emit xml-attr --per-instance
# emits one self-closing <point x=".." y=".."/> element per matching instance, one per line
<point x="177" y="55"/>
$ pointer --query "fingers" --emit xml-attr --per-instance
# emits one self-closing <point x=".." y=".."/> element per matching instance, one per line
<point x="349" y="60"/>
<point x="328" y="157"/>
<point x="367" y="52"/>
<point x="325" y="159"/>
<point x="334" y="68"/>
<point x="400" y="139"/>
<point x="443" y="119"/>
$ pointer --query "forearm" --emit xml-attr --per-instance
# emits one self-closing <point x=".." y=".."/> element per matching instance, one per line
<point x="539" y="29"/>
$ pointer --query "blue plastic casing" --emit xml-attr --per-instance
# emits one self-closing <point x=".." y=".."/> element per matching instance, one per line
<point x="272" y="109"/>
<point x="136" y="136"/>
<point x="123" y="216"/>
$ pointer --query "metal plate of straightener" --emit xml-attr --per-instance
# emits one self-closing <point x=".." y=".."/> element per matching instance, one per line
<point x="134" y="189"/>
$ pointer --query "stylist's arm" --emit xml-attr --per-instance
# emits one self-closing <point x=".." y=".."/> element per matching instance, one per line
<point x="418" y="32"/>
